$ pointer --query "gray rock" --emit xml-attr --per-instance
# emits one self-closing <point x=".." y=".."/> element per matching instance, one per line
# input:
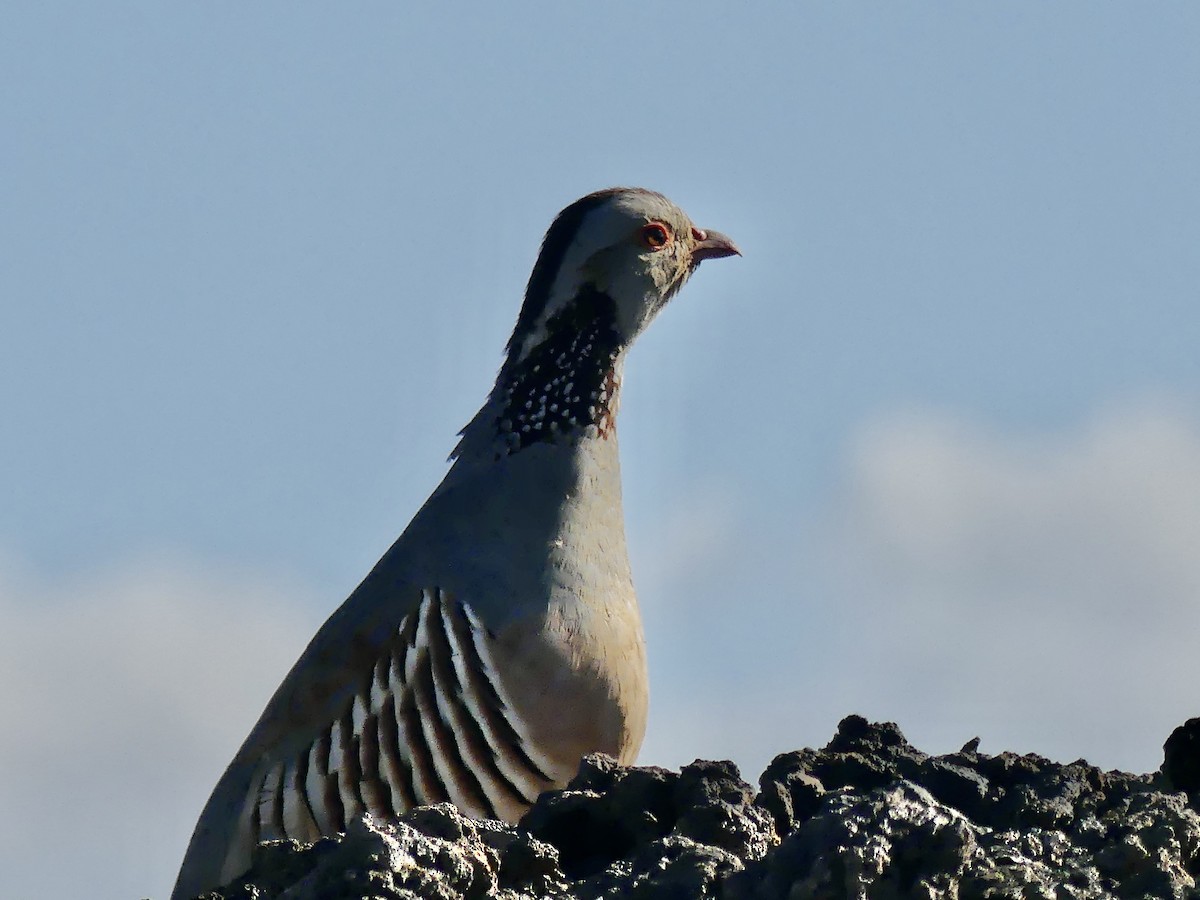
<point x="868" y="817"/>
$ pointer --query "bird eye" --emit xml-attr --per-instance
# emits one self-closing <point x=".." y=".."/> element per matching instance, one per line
<point x="655" y="235"/>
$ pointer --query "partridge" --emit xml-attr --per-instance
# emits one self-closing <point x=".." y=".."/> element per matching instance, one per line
<point x="498" y="640"/>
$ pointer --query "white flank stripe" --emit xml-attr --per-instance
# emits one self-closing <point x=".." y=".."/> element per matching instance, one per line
<point x="454" y="717"/>
<point x="424" y="791"/>
<point x="520" y="778"/>
<point x="314" y="786"/>
<point x="396" y="688"/>
<point x="337" y="753"/>
<point x="507" y="709"/>
<point x="412" y="654"/>
<point x="358" y="715"/>
<point x="390" y="771"/>
<point x="296" y="821"/>
<point x="401" y="783"/>
<point x="431" y="714"/>
<point x="347" y="790"/>
<point x="379" y="692"/>
<point x="266" y="803"/>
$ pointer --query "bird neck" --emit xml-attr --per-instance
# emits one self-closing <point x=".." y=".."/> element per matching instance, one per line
<point x="562" y="391"/>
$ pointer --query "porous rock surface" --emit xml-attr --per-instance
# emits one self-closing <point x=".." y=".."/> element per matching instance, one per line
<point x="867" y="817"/>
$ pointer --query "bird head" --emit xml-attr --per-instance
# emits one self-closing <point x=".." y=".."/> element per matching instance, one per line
<point x="609" y="262"/>
<point x="617" y="255"/>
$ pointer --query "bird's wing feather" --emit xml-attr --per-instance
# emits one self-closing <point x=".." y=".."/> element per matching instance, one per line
<point x="427" y="720"/>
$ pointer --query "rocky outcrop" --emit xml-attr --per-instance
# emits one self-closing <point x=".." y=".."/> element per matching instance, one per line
<point x="868" y="816"/>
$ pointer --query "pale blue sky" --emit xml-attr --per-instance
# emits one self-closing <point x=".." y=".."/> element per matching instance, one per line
<point x="927" y="452"/>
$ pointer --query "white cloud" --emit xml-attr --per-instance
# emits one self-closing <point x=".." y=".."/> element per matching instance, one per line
<point x="123" y="695"/>
<point x="1041" y="589"/>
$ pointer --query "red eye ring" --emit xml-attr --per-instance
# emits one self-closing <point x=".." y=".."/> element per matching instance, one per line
<point x="656" y="235"/>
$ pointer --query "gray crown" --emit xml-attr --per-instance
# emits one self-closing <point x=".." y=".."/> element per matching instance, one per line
<point x="498" y="640"/>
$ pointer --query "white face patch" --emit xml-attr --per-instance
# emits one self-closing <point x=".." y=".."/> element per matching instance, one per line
<point x="606" y="254"/>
